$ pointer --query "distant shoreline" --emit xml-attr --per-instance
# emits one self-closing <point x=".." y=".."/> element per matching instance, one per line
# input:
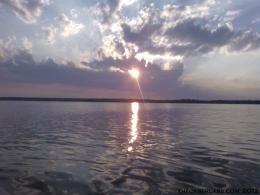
<point x="187" y="101"/>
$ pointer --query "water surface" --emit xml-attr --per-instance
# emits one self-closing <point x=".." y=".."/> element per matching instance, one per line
<point x="57" y="148"/>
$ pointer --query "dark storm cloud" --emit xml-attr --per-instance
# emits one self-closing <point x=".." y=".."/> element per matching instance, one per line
<point x="153" y="77"/>
<point x="107" y="62"/>
<point x="189" y="31"/>
<point x="188" y="38"/>
<point x="204" y="40"/>
<point x="28" y="10"/>
<point x="22" y="68"/>
<point x="141" y="38"/>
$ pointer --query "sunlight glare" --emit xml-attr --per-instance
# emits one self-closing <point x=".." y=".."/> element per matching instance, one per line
<point x="134" y="122"/>
<point x="135" y="73"/>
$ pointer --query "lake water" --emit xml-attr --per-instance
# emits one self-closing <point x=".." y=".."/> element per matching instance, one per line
<point x="58" y="148"/>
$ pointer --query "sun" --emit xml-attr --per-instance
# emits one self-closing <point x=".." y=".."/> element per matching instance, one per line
<point x="135" y="73"/>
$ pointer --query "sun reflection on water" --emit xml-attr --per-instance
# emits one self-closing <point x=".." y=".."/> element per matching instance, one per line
<point x="134" y="123"/>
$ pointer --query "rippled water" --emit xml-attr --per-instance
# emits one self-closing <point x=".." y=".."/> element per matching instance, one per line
<point x="120" y="148"/>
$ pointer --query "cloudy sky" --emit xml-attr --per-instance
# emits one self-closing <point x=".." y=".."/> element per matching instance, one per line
<point x="206" y="49"/>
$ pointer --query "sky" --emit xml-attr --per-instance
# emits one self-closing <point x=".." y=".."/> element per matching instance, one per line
<point x="203" y="49"/>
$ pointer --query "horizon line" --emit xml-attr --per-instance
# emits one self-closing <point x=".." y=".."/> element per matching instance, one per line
<point x="184" y="100"/>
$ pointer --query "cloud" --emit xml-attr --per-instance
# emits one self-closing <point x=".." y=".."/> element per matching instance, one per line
<point x="17" y="65"/>
<point x="158" y="39"/>
<point x="187" y="36"/>
<point x="109" y="10"/>
<point x="27" y="10"/>
<point x="27" y="44"/>
<point x="7" y="47"/>
<point x="245" y="41"/>
<point x="162" y="39"/>
<point x="255" y="21"/>
<point x="162" y="35"/>
<point x="20" y="67"/>
<point x="195" y="38"/>
<point x="48" y="33"/>
<point x="11" y="46"/>
<point x="63" y="26"/>
<point x="74" y="13"/>
<point x="67" y="27"/>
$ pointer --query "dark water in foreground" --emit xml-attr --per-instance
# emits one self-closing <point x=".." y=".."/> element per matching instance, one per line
<point x="119" y="148"/>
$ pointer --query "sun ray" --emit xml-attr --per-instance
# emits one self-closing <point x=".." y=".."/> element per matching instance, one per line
<point x="135" y="73"/>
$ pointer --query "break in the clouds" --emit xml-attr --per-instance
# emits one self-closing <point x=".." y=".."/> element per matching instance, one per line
<point x="184" y="49"/>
